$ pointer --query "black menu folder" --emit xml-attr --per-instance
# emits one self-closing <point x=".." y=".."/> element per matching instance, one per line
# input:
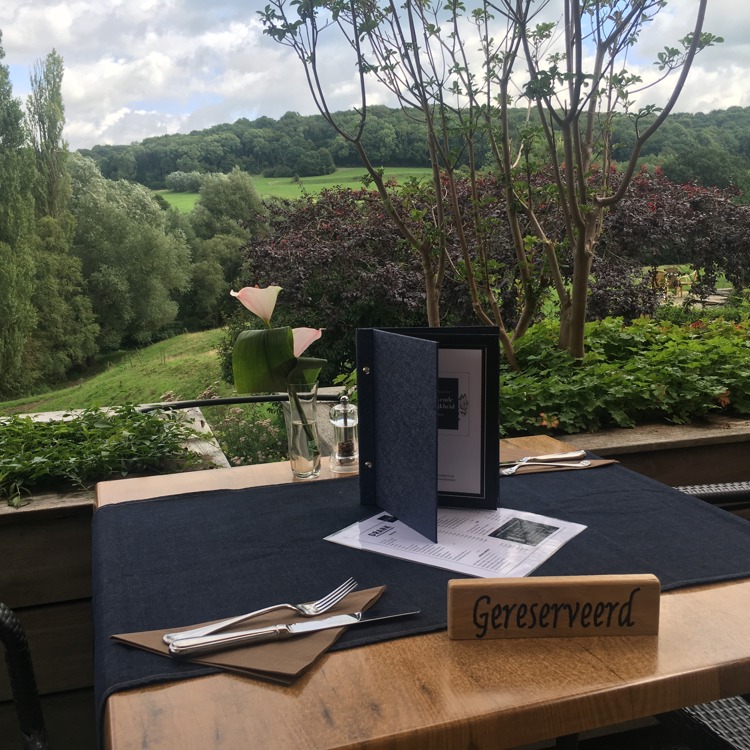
<point x="428" y="420"/>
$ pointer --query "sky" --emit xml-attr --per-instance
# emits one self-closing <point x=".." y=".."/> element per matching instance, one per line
<point x="140" y="68"/>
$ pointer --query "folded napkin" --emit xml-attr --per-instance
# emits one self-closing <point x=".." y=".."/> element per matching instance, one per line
<point x="515" y="453"/>
<point x="279" y="661"/>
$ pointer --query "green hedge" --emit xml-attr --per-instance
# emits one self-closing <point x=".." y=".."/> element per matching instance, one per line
<point x="645" y="371"/>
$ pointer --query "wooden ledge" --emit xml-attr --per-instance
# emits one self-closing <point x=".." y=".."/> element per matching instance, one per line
<point x="49" y="505"/>
<point x="715" y="430"/>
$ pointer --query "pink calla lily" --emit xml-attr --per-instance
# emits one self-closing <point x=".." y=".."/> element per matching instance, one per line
<point x="303" y="337"/>
<point x="259" y="301"/>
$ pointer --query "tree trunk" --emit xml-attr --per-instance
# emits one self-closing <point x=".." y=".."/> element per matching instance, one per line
<point x="576" y="321"/>
<point x="432" y="300"/>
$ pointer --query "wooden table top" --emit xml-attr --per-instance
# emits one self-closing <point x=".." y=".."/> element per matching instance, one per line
<point x="430" y="693"/>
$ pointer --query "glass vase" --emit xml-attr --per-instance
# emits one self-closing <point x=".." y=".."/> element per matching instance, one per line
<point x="302" y="429"/>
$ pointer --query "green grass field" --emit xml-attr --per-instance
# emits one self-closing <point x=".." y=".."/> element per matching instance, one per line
<point x="183" y="202"/>
<point x="284" y="187"/>
<point x="184" y="365"/>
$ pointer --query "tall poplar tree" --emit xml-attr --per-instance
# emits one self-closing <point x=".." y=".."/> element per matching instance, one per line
<point x="45" y="118"/>
<point x="65" y="335"/>
<point x="17" y="315"/>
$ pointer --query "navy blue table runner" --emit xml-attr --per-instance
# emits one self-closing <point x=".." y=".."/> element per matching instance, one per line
<point x="173" y="561"/>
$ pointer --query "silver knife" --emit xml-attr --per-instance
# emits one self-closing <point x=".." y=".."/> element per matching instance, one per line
<point x="569" y="456"/>
<point x="206" y="643"/>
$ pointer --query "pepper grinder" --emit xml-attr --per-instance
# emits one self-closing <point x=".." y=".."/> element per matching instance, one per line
<point x="345" y="457"/>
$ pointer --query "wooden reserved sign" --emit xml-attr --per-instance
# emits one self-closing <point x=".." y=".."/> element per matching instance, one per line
<point x="485" y="608"/>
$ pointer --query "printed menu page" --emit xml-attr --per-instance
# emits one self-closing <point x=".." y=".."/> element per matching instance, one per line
<point x="497" y="543"/>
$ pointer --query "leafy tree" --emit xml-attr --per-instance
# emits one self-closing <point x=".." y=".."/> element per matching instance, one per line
<point x="421" y="52"/>
<point x="228" y="214"/>
<point x="710" y="165"/>
<point x="228" y="204"/>
<point x="215" y="270"/>
<point x="200" y="306"/>
<point x="133" y="264"/>
<point x="184" y="182"/>
<point x="17" y="316"/>
<point x="66" y="332"/>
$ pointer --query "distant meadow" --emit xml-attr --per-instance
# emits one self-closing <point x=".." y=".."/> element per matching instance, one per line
<point x="286" y="187"/>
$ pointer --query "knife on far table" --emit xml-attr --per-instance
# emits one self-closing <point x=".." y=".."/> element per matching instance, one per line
<point x="569" y="456"/>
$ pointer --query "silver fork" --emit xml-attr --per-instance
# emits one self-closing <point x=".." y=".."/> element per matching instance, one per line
<point x="513" y="469"/>
<point x="306" y="609"/>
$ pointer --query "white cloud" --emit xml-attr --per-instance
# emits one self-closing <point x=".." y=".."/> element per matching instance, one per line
<point x="135" y="68"/>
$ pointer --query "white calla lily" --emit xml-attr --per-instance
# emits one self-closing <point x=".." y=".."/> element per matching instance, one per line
<point x="303" y="337"/>
<point x="261" y="302"/>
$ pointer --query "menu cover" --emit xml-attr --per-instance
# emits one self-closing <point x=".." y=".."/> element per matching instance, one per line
<point x="428" y="420"/>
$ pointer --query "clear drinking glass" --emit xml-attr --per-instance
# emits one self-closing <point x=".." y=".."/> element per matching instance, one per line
<point x="302" y="429"/>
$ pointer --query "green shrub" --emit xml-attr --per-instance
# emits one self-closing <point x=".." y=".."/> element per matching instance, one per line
<point x="92" y="446"/>
<point x="647" y="371"/>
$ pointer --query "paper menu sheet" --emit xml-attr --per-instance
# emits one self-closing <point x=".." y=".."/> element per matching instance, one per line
<point x="498" y="543"/>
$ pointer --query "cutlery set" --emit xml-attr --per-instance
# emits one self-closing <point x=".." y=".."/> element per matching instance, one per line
<point x="569" y="460"/>
<point x="308" y="609"/>
<point x="214" y="638"/>
<point x="207" y="643"/>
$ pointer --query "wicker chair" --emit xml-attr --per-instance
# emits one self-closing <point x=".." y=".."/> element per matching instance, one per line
<point x="726" y="492"/>
<point x="719" y="725"/>
<point x="722" y="724"/>
<point x="22" y="681"/>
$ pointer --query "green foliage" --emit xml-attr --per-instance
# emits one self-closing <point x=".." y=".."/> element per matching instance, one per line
<point x="263" y="361"/>
<point x="184" y="182"/>
<point x="228" y="205"/>
<point x="201" y="305"/>
<point x="65" y="335"/>
<point x="134" y="260"/>
<point x="92" y="446"/>
<point x="17" y="316"/>
<point x="710" y="148"/>
<point x="250" y="434"/>
<point x="646" y="371"/>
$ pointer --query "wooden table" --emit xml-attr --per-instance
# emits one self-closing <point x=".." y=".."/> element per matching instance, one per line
<point x="429" y="693"/>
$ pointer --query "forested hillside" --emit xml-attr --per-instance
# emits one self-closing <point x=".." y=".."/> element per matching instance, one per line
<point x="713" y="149"/>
